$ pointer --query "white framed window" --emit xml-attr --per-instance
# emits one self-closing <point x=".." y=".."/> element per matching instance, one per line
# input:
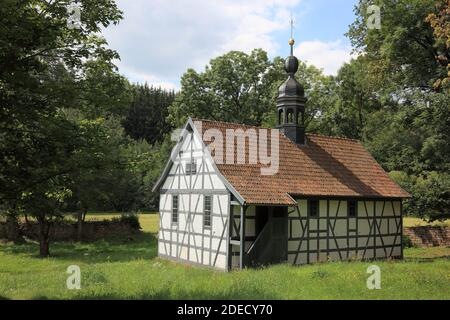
<point x="207" y="211"/>
<point x="174" y="209"/>
<point x="191" y="167"/>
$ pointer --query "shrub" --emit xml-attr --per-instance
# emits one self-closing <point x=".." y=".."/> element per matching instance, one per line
<point x="407" y="243"/>
<point x="131" y="219"/>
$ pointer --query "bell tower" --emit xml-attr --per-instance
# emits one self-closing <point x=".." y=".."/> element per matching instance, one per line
<point x="291" y="102"/>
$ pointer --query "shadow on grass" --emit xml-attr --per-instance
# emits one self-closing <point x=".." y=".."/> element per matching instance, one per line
<point x="182" y="294"/>
<point x="140" y="246"/>
<point x="426" y="259"/>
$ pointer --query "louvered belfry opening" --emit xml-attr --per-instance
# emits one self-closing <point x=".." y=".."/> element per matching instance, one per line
<point x="291" y="102"/>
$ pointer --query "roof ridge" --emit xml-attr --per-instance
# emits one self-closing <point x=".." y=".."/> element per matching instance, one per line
<point x="227" y="122"/>
<point x="259" y="127"/>
<point x="332" y="137"/>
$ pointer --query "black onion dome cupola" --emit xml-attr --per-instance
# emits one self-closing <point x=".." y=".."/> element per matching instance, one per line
<point x="291" y="102"/>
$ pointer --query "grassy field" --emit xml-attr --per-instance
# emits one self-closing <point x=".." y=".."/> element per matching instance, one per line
<point x="417" y="222"/>
<point x="129" y="269"/>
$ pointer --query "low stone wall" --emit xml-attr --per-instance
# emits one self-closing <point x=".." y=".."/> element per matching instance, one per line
<point x="92" y="230"/>
<point x="428" y="236"/>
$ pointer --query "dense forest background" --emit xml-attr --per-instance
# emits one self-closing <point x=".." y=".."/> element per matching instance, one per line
<point x="75" y="135"/>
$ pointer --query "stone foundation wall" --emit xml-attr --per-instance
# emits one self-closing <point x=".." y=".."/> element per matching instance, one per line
<point x="428" y="236"/>
<point x="92" y="230"/>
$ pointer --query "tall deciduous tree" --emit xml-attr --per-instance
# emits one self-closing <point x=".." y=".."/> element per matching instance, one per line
<point x="403" y="52"/>
<point x="440" y="22"/>
<point x="236" y="87"/>
<point x="43" y="63"/>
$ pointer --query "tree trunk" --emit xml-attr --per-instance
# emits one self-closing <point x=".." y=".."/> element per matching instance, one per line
<point x="44" y="229"/>
<point x="80" y="221"/>
<point x="12" y="229"/>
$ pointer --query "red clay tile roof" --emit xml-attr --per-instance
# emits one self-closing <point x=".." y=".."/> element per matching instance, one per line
<point x="325" y="166"/>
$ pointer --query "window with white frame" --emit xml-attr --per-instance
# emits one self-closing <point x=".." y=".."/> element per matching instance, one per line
<point x="207" y="212"/>
<point x="191" y="167"/>
<point x="174" y="209"/>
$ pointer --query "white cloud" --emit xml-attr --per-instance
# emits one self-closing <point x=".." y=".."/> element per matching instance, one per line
<point x="329" y="56"/>
<point x="159" y="39"/>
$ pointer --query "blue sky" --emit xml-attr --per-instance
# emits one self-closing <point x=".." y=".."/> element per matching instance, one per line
<point x="159" y="39"/>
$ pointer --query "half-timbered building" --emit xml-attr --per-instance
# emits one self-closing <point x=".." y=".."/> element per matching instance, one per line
<point x="323" y="199"/>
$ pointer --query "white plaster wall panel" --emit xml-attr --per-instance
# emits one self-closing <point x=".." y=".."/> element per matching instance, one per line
<point x="208" y="165"/>
<point x="208" y="185"/>
<point x="198" y="183"/>
<point x="217" y="183"/>
<point x="323" y="243"/>
<point x="293" y="245"/>
<point x="161" y="248"/>
<point x="389" y="240"/>
<point x="369" y="206"/>
<point x="302" y="258"/>
<point x="221" y="261"/>
<point x="342" y="243"/>
<point x="352" y="223"/>
<point x="184" y="183"/>
<point x="291" y="259"/>
<point x="352" y="242"/>
<point x="303" y="205"/>
<point x="168" y="183"/>
<point x="322" y="208"/>
<point x="332" y="244"/>
<point x="207" y="242"/>
<point x="334" y="256"/>
<point x="183" y="204"/>
<point x="323" y="257"/>
<point x="379" y="208"/>
<point x="184" y="252"/>
<point x="392" y="226"/>
<point x="197" y="223"/>
<point x="361" y="209"/>
<point x="322" y="224"/>
<point x="381" y="253"/>
<point x="383" y="224"/>
<point x="297" y="229"/>
<point x="363" y="227"/>
<point x="166" y="235"/>
<point x="343" y="209"/>
<point x="197" y="154"/>
<point x="397" y="206"/>
<point x="397" y="252"/>
<point x="340" y="228"/>
<point x="292" y="213"/>
<point x="313" y="224"/>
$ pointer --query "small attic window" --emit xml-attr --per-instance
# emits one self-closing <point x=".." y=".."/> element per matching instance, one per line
<point x="191" y="167"/>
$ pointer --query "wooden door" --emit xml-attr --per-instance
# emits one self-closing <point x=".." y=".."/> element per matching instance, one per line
<point x="279" y="238"/>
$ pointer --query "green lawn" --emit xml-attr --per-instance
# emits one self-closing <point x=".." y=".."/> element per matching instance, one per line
<point x="417" y="222"/>
<point x="129" y="269"/>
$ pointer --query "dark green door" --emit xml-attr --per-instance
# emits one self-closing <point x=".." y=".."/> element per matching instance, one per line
<point x="279" y="238"/>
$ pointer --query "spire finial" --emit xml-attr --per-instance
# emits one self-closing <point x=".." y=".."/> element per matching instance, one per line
<point x="291" y="40"/>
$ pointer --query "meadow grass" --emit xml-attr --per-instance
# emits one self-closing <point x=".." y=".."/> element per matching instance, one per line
<point x="130" y="269"/>
<point x="417" y="222"/>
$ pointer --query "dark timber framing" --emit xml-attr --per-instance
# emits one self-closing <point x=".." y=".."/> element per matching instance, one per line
<point x="356" y="244"/>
